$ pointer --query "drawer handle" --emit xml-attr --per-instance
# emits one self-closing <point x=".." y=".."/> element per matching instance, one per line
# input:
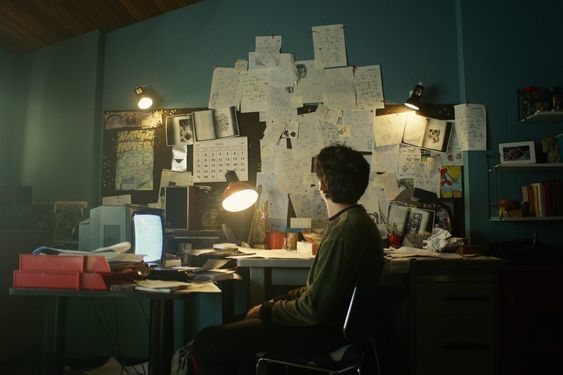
<point x="466" y="298"/>
<point x="465" y="346"/>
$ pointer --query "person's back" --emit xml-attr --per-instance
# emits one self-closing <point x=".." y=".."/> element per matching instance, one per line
<point x="309" y="319"/>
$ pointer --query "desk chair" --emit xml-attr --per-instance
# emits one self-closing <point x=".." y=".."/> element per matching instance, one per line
<point x="358" y="329"/>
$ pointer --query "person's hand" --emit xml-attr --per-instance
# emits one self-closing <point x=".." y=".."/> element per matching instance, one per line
<point x="254" y="312"/>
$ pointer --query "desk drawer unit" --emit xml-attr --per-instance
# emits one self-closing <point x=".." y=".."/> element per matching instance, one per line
<point x="455" y="328"/>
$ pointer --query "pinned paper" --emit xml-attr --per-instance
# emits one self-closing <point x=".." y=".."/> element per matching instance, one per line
<point x="180" y="158"/>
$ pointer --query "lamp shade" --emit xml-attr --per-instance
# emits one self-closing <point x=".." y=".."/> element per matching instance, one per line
<point x="238" y="196"/>
<point x="413" y="102"/>
<point x="145" y="98"/>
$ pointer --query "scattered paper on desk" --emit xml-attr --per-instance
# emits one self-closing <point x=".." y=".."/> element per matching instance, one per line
<point x="411" y="252"/>
<point x="275" y="253"/>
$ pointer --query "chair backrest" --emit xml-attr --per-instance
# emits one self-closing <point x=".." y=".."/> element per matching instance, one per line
<point x="359" y="324"/>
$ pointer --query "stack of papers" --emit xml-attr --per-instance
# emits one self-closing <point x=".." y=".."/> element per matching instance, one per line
<point x="116" y="254"/>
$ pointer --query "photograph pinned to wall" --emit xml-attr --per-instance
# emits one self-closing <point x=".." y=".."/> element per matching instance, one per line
<point x="179" y="130"/>
<point x="517" y="153"/>
<point x="451" y="181"/>
<point x="67" y="216"/>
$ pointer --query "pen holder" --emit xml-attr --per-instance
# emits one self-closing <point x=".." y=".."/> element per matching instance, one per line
<point x="276" y="240"/>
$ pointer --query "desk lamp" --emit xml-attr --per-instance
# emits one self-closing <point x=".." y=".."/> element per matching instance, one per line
<point x="145" y="97"/>
<point x="413" y="102"/>
<point x="238" y="195"/>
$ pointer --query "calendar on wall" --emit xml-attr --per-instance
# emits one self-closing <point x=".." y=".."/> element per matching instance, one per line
<point x="212" y="159"/>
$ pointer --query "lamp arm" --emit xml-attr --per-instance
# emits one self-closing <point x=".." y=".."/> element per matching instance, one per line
<point x="253" y="223"/>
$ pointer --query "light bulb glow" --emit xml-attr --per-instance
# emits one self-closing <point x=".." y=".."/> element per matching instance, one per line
<point x="240" y="200"/>
<point x="412" y="106"/>
<point x="145" y="102"/>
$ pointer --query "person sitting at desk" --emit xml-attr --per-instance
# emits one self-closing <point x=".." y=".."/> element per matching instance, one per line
<point x="308" y="319"/>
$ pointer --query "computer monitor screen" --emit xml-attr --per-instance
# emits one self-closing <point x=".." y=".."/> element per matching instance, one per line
<point x="148" y="235"/>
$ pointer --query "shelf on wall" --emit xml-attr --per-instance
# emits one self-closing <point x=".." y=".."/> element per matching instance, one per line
<point x="525" y="166"/>
<point x="527" y="218"/>
<point x="545" y="116"/>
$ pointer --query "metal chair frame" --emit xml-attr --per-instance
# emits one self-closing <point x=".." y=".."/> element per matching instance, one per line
<point x="353" y="332"/>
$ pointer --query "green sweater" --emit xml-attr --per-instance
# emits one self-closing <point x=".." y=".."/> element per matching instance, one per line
<point x="351" y="244"/>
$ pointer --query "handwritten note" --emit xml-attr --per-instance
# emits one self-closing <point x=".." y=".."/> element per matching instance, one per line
<point x="225" y="88"/>
<point x="388" y="129"/>
<point x="385" y="159"/>
<point x="310" y="141"/>
<point x="409" y="161"/>
<point x="268" y="50"/>
<point x="255" y="90"/>
<point x="329" y="46"/>
<point x="361" y="129"/>
<point x="309" y="82"/>
<point x="471" y="126"/>
<point x="369" y="89"/>
<point x="339" y="88"/>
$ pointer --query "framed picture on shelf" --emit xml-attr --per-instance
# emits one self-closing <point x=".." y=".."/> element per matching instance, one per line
<point x="517" y="153"/>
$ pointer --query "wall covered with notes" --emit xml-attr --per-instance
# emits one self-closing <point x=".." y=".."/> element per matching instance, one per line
<point x="462" y="52"/>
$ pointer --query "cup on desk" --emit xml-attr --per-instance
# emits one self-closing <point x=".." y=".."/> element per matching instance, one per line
<point x="276" y="240"/>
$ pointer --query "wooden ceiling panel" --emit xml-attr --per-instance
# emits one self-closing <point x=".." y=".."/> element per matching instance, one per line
<point x="26" y="25"/>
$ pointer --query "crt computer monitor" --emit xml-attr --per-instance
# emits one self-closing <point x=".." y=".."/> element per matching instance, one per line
<point x="142" y="226"/>
<point x="148" y="234"/>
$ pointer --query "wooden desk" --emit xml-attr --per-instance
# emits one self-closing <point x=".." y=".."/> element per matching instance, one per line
<point x="161" y="336"/>
<point x="293" y="272"/>
<point x="451" y="317"/>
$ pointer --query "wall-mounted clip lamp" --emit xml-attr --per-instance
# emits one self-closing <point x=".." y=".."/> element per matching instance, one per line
<point x="238" y="195"/>
<point x="413" y="102"/>
<point x="145" y="97"/>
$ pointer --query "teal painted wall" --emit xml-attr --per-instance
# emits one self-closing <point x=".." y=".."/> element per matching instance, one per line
<point x="506" y="48"/>
<point x="460" y="52"/>
<point x="58" y="152"/>
<point x="8" y="100"/>
<point x="175" y="53"/>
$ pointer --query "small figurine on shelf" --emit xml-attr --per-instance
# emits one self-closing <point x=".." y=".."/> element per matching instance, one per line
<point x="508" y="208"/>
<point x="502" y="209"/>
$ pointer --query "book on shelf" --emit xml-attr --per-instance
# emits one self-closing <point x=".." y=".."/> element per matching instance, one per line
<point x="543" y="198"/>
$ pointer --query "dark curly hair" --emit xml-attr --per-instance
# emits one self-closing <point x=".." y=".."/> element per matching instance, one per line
<point x="343" y="173"/>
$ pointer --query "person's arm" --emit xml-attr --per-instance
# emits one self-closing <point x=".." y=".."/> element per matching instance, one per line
<point x="332" y="280"/>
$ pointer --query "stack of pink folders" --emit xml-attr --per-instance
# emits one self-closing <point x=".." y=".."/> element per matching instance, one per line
<point x="79" y="272"/>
